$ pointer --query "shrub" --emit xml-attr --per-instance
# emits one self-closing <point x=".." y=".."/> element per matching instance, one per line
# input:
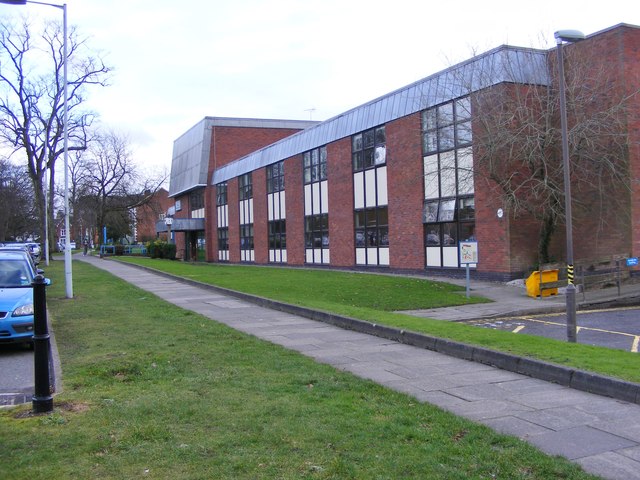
<point x="161" y="249"/>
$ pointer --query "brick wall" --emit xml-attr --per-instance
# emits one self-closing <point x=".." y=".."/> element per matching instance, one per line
<point x="294" y="210"/>
<point x="405" y="193"/>
<point x="260" y="216"/>
<point x="229" y="144"/>
<point x="340" y="178"/>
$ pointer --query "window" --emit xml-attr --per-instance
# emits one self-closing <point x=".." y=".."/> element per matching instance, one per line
<point x="277" y="235"/>
<point x="315" y="165"/>
<point x="196" y="199"/>
<point x="275" y="177"/>
<point x="371" y="217"/>
<point x="245" y="188"/>
<point x="221" y="193"/>
<point x="316" y="231"/>
<point x="368" y="149"/>
<point x="245" y="191"/>
<point x="222" y="216"/>
<point x="316" y="206"/>
<point x="449" y="207"/>
<point x="223" y="239"/>
<point x="276" y="206"/>
<point x="246" y="237"/>
<point x="372" y="227"/>
<point x="196" y="203"/>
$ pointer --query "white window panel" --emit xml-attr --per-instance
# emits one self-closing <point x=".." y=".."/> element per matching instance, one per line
<point x="372" y="256"/>
<point x="272" y="255"/>
<point x="223" y="255"/>
<point x="383" y="253"/>
<point x="243" y="212"/>
<point x="308" y="255"/>
<point x="307" y="200"/>
<point x="250" y="210"/>
<point x="270" y="206"/>
<point x="382" y="186"/>
<point x="358" y="190"/>
<point x="223" y="216"/>
<point x="449" y="256"/>
<point x="370" y="186"/>
<point x="433" y="257"/>
<point x="283" y="206"/>
<point x="325" y="256"/>
<point x="283" y="254"/>
<point x="324" y="194"/>
<point x="361" y="256"/>
<point x="316" y="198"/>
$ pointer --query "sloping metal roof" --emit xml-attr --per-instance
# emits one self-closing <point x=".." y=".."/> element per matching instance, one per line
<point x="502" y="64"/>
<point x="190" y="161"/>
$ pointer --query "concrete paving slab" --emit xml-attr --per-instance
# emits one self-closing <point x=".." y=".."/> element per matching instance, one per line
<point x="560" y="418"/>
<point x="611" y="465"/>
<point x="580" y="442"/>
<point x="515" y="426"/>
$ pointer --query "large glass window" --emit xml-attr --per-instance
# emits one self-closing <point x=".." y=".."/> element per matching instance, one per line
<point x="314" y="163"/>
<point x="222" y="224"/>
<point x="221" y="193"/>
<point x="246" y="237"/>
<point x="449" y="207"/>
<point x="275" y="177"/>
<point x="277" y="235"/>
<point x="316" y="206"/>
<point x="371" y="218"/>
<point x="245" y="186"/>
<point x="245" y="191"/>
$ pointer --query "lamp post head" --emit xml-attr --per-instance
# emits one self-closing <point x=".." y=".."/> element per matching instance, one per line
<point x="569" y="36"/>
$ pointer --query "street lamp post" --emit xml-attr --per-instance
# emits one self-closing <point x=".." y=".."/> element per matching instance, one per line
<point x="569" y="36"/>
<point x="68" y="276"/>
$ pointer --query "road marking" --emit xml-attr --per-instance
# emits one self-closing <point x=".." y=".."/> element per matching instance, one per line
<point x="634" y="346"/>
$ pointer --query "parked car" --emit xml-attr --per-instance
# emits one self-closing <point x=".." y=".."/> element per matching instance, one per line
<point x="22" y="247"/>
<point x="17" y="271"/>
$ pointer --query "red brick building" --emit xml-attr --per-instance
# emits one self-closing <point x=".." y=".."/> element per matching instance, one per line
<point x="398" y="182"/>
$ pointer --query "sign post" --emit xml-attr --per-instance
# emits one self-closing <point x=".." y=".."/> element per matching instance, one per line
<point x="468" y="254"/>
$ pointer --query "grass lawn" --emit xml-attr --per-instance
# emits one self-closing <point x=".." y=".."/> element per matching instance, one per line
<point x="376" y="297"/>
<point x="154" y="391"/>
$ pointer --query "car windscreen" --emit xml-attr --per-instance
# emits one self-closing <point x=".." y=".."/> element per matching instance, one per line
<point x="14" y="273"/>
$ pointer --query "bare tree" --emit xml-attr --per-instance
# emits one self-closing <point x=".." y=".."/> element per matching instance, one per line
<point x="517" y="135"/>
<point x="17" y="215"/>
<point x="32" y="97"/>
<point x="110" y="184"/>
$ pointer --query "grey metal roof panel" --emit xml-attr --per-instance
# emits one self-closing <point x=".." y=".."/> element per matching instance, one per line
<point x="190" y="161"/>
<point x="502" y="64"/>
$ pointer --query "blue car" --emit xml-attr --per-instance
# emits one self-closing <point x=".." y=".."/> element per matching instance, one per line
<point x="16" y="297"/>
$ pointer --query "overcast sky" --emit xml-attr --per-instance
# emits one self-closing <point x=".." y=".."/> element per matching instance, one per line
<point x="176" y="62"/>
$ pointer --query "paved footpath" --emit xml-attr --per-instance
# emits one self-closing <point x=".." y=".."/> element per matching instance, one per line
<point x="599" y="433"/>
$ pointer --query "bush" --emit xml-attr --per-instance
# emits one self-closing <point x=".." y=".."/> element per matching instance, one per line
<point x="161" y="249"/>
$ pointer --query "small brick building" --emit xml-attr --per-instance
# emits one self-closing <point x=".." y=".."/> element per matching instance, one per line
<point x="398" y="182"/>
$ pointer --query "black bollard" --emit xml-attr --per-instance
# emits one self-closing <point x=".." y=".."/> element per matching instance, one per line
<point x="42" y="400"/>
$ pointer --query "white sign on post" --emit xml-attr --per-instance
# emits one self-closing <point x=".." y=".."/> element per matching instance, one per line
<point x="468" y="252"/>
<point x="468" y="255"/>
